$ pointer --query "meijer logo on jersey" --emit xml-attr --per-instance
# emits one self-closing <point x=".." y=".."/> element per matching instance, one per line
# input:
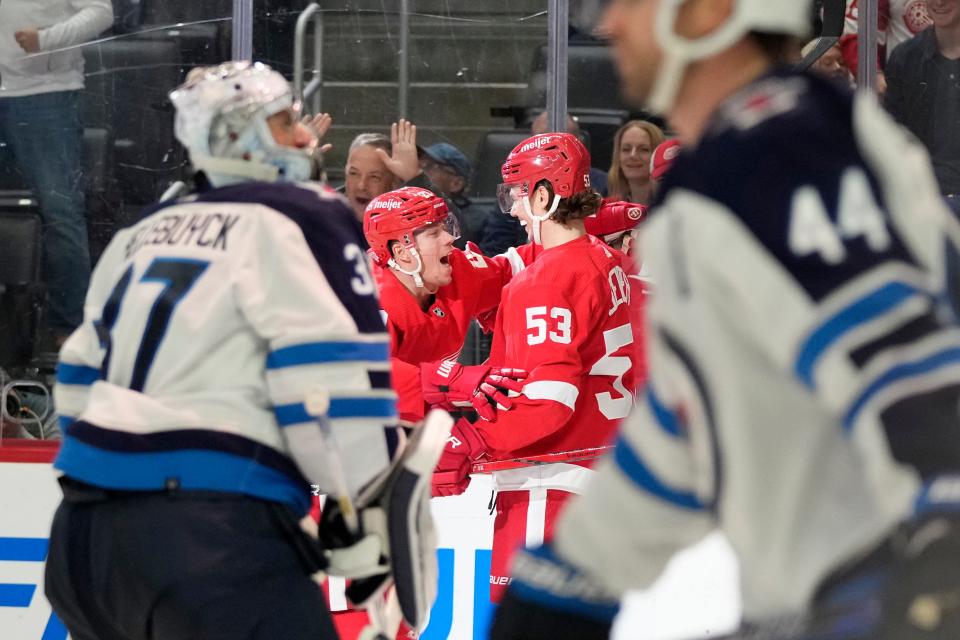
<point x="387" y="204"/>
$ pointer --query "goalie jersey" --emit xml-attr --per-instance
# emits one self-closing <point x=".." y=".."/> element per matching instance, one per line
<point x="803" y="349"/>
<point x="206" y="324"/>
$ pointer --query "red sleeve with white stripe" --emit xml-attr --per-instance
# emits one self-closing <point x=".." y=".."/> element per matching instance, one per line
<point x="542" y="329"/>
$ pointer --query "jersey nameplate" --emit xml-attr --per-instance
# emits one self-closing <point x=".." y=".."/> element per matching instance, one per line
<point x="206" y="230"/>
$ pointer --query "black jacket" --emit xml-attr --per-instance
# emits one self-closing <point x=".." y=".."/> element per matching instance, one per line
<point x="922" y="95"/>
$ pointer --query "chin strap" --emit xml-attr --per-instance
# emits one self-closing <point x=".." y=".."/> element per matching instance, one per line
<point x="536" y="220"/>
<point x="415" y="274"/>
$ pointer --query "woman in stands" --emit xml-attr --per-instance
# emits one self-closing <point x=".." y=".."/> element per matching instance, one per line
<point x="629" y="176"/>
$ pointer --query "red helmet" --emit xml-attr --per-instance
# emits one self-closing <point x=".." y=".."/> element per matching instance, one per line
<point x="613" y="219"/>
<point x="558" y="157"/>
<point x="663" y="157"/>
<point x="397" y="215"/>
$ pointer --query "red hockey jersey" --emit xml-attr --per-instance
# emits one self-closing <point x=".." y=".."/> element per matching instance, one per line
<point x="639" y="288"/>
<point x="566" y="319"/>
<point x="418" y="336"/>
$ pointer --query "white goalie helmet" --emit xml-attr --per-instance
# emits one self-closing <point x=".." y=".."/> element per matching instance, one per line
<point x="221" y="119"/>
<point x="788" y="17"/>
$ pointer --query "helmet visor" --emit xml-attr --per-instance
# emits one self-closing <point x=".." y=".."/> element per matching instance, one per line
<point x="449" y="224"/>
<point x="509" y="194"/>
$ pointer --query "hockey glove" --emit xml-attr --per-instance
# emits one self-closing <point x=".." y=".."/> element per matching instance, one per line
<point x="464" y="446"/>
<point x="451" y="386"/>
<point x="549" y="599"/>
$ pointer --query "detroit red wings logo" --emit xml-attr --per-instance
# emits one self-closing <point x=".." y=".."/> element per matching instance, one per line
<point x="915" y="16"/>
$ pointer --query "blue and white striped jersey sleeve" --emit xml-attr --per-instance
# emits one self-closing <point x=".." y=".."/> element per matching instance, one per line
<point x="316" y="308"/>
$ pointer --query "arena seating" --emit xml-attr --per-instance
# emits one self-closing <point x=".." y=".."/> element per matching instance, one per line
<point x="21" y="291"/>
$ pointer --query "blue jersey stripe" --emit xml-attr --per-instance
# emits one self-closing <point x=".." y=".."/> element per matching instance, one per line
<point x="194" y="469"/>
<point x="76" y="374"/>
<point x="328" y="352"/>
<point x="898" y="373"/>
<point x="666" y="418"/>
<point x="23" y="549"/>
<point x="863" y="310"/>
<point x="384" y="408"/>
<point x="65" y="422"/>
<point x="635" y="469"/>
<point x="16" y="595"/>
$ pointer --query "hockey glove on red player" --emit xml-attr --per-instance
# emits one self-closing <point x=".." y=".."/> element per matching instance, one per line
<point x="550" y="599"/>
<point x="451" y="386"/>
<point x="463" y="447"/>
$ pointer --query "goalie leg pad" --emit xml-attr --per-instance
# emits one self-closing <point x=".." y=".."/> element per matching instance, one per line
<point x="395" y="510"/>
<point x="413" y="546"/>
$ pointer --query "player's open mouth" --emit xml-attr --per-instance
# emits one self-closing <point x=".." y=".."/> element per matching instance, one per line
<point x="362" y="201"/>
<point x="445" y="260"/>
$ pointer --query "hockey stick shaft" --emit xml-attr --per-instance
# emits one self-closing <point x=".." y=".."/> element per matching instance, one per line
<point x="317" y="404"/>
<point x="577" y="455"/>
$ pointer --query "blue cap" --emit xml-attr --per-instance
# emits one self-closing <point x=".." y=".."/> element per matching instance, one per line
<point x="446" y="153"/>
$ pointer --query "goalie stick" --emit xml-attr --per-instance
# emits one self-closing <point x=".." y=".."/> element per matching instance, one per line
<point x="384" y="614"/>
<point x="577" y="455"/>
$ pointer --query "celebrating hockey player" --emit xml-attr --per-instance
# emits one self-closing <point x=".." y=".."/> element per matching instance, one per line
<point x="804" y="353"/>
<point x="615" y="223"/>
<point x="231" y="338"/>
<point x="565" y="320"/>
<point x="430" y="291"/>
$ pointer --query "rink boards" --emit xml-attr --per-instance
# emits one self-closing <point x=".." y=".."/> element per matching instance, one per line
<point x="696" y="596"/>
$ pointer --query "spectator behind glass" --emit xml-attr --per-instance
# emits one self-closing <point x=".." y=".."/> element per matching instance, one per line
<point x="923" y="90"/>
<point x="629" y="176"/>
<point x="41" y="78"/>
<point x="899" y="20"/>
<point x="830" y="64"/>
<point x="366" y="174"/>
<point x="377" y="164"/>
<point x="449" y="170"/>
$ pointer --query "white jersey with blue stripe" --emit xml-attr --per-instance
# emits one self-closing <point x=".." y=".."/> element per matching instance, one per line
<point x="205" y="325"/>
<point x="804" y="351"/>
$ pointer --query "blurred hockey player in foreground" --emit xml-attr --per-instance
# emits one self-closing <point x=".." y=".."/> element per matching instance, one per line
<point x="565" y="319"/>
<point x="232" y="354"/>
<point x="804" y="353"/>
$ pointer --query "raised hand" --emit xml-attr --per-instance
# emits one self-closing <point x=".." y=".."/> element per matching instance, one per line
<point x="318" y="126"/>
<point x="403" y="162"/>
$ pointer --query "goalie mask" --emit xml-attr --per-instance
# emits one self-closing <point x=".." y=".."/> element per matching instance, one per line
<point x="558" y="158"/>
<point x="222" y="117"/>
<point x="399" y="216"/>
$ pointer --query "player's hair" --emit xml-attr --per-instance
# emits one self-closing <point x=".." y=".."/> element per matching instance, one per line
<point x="576" y="207"/>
